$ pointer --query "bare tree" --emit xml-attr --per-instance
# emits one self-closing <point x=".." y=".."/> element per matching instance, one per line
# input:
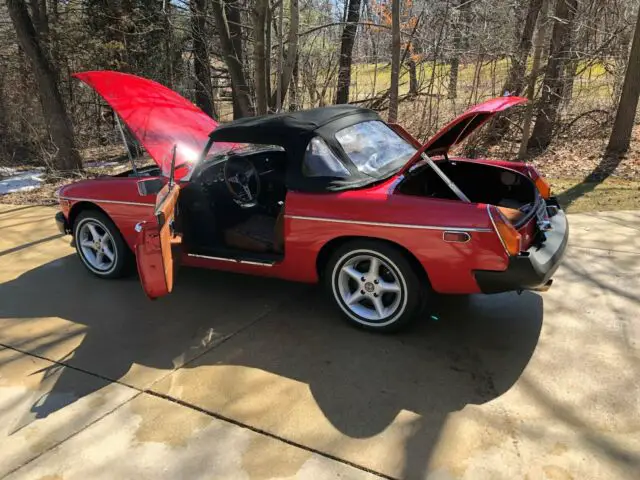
<point x="628" y="105"/>
<point x="55" y="114"/>
<point x="260" y="13"/>
<point x="459" y="37"/>
<point x="201" y="67"/>
<point x="552" y="85"/>
<point x="395" y="60"/>
<point x="515" y="82"/>
<point x="226" y="14"/>
<point x="290" y="62"/>
<point x="531" y="86"/>
<point x="346" y="51"/>
<point x="320" y="50"/>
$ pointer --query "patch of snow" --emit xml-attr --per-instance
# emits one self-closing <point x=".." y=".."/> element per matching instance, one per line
<point x="101" y="164"/>
<point x="20" y="181"/>
<point x="7" y="171"/>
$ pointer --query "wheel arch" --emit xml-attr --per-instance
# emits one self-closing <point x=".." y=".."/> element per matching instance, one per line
<point x="82" y="206"/>
<point x="328" y="248"/>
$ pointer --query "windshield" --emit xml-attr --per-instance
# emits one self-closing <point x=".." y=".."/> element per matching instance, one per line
<point x="374" y="148"/>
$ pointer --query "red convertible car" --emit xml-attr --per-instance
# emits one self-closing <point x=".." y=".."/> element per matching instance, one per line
<point x="329" y="194"/>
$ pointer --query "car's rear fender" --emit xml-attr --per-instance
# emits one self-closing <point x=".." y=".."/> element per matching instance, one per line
<point x="331" y="246"/>
<point x="317" y="223"/>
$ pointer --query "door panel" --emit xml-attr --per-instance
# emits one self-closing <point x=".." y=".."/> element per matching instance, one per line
<point x="156" y="241"/>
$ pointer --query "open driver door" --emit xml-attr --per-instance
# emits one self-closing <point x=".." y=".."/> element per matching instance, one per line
<point x="157" y="241"/>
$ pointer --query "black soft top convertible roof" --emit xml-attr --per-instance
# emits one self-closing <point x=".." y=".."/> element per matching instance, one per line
<point x="293" y="131"/>
<point x="281" y="128"/>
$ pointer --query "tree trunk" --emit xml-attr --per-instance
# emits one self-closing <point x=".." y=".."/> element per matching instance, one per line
<point x="454" y="66"/>
<point x="531" y="87"/>
<point x="293" y="98"/>
<point x="454" y="62"/>
<point x="571" y="69"/>
<point x="259" y="54"/>
<point x="231" y="45"/>
<point x="459" y="30"/>
<point x="413" y="77"/>
<point x="625" y="116"/>
<point x="395" y="60"/>
<point x="201" y="66"/>
<point x="267" y="52"/>
<point x="346" y="51"/>
<point x="515" y="82"/>
<point x="59" y="126"/>
<point x="559" y="52"/>
<point x="232" y="12"/>
<point x="290" y="61"/>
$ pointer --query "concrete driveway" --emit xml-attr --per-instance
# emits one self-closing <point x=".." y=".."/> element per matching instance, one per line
<point x="241" y="377"/>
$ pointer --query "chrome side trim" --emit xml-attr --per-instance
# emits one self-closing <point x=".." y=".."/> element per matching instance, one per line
<point x="396" y="225"/>
<point x="232" y="260"/>
<point x="120" y="202"/>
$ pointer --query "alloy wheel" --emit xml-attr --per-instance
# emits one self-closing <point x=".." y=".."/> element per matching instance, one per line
<point x="97" y="246"/>
<point x="369" y="288"/>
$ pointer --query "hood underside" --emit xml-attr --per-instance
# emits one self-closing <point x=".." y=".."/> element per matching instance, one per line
<point x="158" y="117"/>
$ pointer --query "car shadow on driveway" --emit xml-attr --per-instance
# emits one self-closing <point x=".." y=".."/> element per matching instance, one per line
<point x="466" y="350"/>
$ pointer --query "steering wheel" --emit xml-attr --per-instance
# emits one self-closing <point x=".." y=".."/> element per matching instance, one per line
<point x="242" y="180"/>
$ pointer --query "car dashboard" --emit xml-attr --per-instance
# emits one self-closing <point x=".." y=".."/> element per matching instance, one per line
<point x="271" y="168"/>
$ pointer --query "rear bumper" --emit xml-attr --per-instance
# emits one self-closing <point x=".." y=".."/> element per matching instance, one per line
<point x="61" y="222"/>
<point x="532" y="269"/>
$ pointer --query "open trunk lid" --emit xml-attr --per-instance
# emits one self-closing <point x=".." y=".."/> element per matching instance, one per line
<point x="157" y="116"/>
<point x="462" y="126"/>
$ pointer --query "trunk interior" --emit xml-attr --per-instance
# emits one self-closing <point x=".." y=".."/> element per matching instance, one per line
<point x="481" y="183"/>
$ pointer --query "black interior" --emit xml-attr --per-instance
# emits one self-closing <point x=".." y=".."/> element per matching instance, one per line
<point x="208" y="209"/>
<point x="481" y="183"/>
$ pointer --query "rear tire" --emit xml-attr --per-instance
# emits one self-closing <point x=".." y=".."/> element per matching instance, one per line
<point x="374" y="285"/>
<point x="100" y="245"/>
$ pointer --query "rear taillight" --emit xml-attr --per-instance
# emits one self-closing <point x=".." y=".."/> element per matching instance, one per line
<point x="541" y="183"/>
<point x="509" y="236"/>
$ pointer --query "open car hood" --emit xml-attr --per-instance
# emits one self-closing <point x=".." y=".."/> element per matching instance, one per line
<point x="157" y="116"/>
<point x="462" y="126"/>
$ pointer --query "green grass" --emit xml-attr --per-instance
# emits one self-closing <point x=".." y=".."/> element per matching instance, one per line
<point x="593" y="80"/>
<point x="612" y="194"/>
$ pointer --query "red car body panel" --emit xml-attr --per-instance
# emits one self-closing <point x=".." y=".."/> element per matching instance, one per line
<point x="416" y="224"/>
<point x="118" y="197"/>
<point x="312" y="221"/>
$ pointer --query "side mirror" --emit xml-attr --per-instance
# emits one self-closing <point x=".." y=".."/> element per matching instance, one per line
<point x="150" y="186"/>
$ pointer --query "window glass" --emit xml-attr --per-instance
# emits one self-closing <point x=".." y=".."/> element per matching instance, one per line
<point x="374" y="148"/>
<point x="320" y="161"/>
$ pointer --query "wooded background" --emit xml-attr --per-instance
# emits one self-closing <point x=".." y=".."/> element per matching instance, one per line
<point x="418" y="61"/>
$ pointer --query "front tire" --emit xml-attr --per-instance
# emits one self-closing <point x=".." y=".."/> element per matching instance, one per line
<point x="99" y="245"/>
<point x="374" y="285"/>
